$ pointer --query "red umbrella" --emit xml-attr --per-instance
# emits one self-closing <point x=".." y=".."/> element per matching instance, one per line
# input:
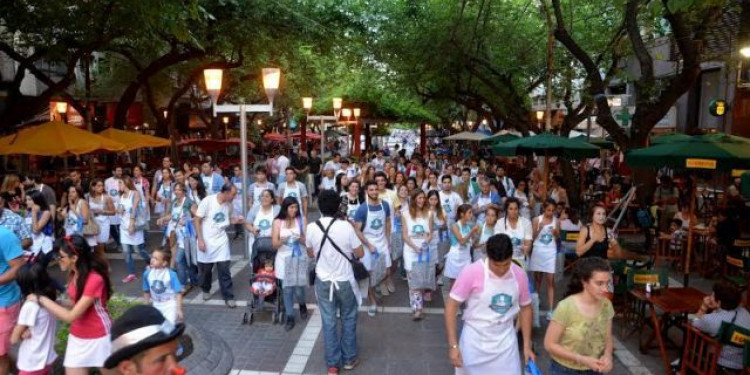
<point x="308" y="135"/>
<point x="274" y="137"/>
<point x="237" y="141"/>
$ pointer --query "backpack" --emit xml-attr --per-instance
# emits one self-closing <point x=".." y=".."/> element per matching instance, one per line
<point x="645" y="220"/>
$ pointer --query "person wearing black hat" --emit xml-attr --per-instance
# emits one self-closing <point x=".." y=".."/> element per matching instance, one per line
<point x="144" y="343"/>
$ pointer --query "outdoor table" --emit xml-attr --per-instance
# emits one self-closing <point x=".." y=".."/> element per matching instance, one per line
<point x="675" y="304"/>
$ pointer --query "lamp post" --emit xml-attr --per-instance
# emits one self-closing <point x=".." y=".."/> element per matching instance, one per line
<point x="307" y="103"/>
<point x="357" y="150"/>
<point x="271" y="80"/>
<point x="225" y="120"/>
<point x="336" y="113"/>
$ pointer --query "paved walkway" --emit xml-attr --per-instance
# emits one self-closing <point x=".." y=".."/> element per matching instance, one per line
<point x="390" y="343"/>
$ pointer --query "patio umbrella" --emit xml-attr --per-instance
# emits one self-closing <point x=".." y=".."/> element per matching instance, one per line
<point x="308" y="135"/>
<point x="500" y="137"/>
<point x="600" y="142"/>
<point x="466" y="136"/>
<point x="547" y="144"/>
<point x="274" y="137"/>
<point x="669" y="138"/>
<point x="711" y="151"/>
<point x="56" y="139"/>
<point x="133" y="140"/>
<point x="237" y="141"/>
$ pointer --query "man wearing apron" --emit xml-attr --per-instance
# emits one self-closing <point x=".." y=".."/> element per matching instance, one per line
<point x="485" y="197"/>
<point x="292" y="188"/>
<point x="373" y="224"/>
<point x="495" y="291"/>
<point x="261" y="184"/>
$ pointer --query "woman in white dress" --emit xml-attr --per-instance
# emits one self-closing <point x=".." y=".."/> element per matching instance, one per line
<point x="162" y="193"/>
<point x="526" y="199"/>
<point x="416" y="230"/>
<point x="518" y="229"/>
<point x="102" y="208"/>
<point x="462" y="235"/>
<point x="546" y="229"/>
<point x="487" y="230"/>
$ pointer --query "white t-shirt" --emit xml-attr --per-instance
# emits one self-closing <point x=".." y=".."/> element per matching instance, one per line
<point x="522" y="232"/>
<point x="112" y="188"/>
<point x="38" y="351"/>
<point x="328" y="183"/>
<point x="332" y="165"/>
<point x="215" y="221"/>
<point x="282" y="162"/>
<point x="332" y="266"/>
<point x="450" y="202"/>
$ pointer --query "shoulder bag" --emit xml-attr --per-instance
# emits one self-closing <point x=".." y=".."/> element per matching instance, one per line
<point x="360" y="272"/>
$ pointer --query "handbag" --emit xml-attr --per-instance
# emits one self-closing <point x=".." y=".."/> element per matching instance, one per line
<point x="360" y="272"/>
<point x="296" y="265"/>
<point x="422" y="274"/>
<point x="90" y="228"/>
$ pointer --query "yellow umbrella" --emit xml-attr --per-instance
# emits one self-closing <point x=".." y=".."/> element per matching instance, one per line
<point x="56" y="139"/>
<point x="133" y="140"/>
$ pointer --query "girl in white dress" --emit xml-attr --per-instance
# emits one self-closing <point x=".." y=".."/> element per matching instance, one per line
<point x="439" y="243"/>
<point x="76" y="215"/>
<point x="462" y="235"/>
<point x="518" y="229"/>
<point x="416" y="230"/>
<point x="544" y="253"/>
<point x="486" y="231"/>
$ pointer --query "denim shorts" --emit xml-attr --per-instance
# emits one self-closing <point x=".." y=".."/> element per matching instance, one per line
<point x="558" y="369"/>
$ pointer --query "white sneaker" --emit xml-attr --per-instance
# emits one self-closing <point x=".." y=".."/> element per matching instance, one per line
<point x="372" y="310"/>
<point x="440" y="280"/>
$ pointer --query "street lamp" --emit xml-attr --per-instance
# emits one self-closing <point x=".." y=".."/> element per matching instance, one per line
<point x="539" y="117"/>
<point x="225" y="120"/>
<point x="337" y="107"/>
<point x="356" y="112"/>
<point x="347" y="113"/>
<point x="307" y="103"/>
<point x="62" y="109"/>
<point x="271" y="79"/>
<point x="745" y="51"/>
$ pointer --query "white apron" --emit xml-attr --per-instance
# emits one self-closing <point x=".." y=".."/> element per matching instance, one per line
<point x="165" y="193"/>
<point x="285" y="251"/>
<point x="439" y="236"/>
<point x="481" y="252"/>
<point x="544" y="253"/>
<point x="263" y="221"/>
<point x="418" y="230"/>
<point x="237" y="201"/>
<point x="516" y="235"/>
<point x="102" y="220"/>
<point x="374" y="231"/>
<point x="459" y="256"/>
<point x="482" y="202"/>
<point x="488" y="340"/>
<point x="351" y="209"/>
<point x="294" y="193"/>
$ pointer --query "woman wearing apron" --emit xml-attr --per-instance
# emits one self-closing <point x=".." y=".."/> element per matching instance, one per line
<point x="375" y="227"/>
<point x="439" y="243"/>
<point x="77" y="215"/>
<point x="163" y="192"/>
<point x="397" y="239"/>
<point x="131" y="237"/>
<point x="416" y="232"/>
<point x="180" y="220"/>
<point x="102" y="209"/>
<point x="526" y="199"/>
<point x="544" y="253"/>
<point x="495" y="291"/>
<point x="462" y="234"/>
<point x="350" y="201"/>
<point x="259" y="220"/>
<point x="287" y="235"/>
<point x="39" y="219"/>
<point x="486" y="231"/>
<point x="518" y="229"/>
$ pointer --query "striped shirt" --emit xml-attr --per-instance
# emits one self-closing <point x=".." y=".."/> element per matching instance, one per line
<point x="730" y="357"/>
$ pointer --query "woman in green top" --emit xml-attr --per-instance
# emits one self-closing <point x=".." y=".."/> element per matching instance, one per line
<point x="579" y="337"/>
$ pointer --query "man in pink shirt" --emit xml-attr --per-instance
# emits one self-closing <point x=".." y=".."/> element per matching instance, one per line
<point x="495" y="291"/>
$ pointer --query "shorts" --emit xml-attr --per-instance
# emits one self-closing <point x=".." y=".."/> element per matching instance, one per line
<point x="8" y="320"/>
<point x="45" y="371"/>
<point x="86" y="353"/>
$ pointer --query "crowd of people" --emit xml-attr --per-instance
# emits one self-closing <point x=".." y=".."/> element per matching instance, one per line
<point x="493" y="232"/>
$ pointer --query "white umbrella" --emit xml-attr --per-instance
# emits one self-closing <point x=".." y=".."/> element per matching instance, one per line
<point x="466" y="136"/>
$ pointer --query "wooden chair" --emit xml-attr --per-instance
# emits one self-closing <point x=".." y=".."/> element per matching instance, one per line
<point x="634" y="311"/>
<point x="569" y="238"/>
<point x="701" y="353"/>
<point x="737" y="268"/>
<point x="665" y="252"/>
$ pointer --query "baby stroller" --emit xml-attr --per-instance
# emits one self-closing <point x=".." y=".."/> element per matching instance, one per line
<point x="264" y="287"/>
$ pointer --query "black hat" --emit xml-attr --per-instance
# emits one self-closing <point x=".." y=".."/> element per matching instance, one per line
<point x="138" y="329"/>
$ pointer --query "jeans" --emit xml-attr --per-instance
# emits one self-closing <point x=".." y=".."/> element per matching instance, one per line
<point x="289" y="293"/>
<point x="186" y="272"/>
<point x="129" y="250"/>
<point x="558" y="369"/>
<point x="114" y="231"/>
<point x="344" y="347"/>
<point x="225" y="278"/>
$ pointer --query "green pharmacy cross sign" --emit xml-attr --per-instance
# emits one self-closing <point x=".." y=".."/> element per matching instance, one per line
<point x="624" y="116"/>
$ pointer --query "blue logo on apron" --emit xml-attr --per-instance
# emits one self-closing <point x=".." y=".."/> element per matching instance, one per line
<point x="501" y="303"/>
<point x="114" y="192"/>
<point x="546" y="238"/>
<point x="158" y="287"/>
<point x="516" y="241"/>
<point x="264" y="224"/>
<point x="219" y="217"/>
<point x="376" y="224"/>
<point x="418" y="230"/>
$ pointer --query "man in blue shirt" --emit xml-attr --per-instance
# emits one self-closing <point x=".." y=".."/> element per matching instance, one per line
<point x="15" y="223"/>
<point x="11" y="259"/>
<point x="373" y="224"/>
